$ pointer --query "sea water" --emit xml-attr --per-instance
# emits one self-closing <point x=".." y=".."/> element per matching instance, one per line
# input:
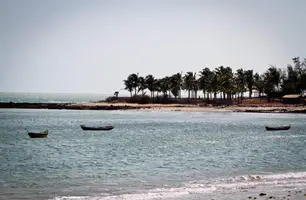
<point x="148" y="155"/>
<point x="50" y="97"/>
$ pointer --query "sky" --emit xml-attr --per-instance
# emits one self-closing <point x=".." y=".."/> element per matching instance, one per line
<point x="91" y="46"/>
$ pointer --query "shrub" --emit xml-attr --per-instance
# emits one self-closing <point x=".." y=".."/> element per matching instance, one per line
<point x="145" y="99"/>
<point x="164" y="100"/>
<point x="110" y="99"/>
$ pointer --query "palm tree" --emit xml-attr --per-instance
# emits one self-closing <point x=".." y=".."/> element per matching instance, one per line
<point x="195" y="85"/>
<point x="156" y="86"/>
<point x="205" y="81"/>
<point x="135" y="80"/>
<point x="272" y="78"/>
<point x="249" y="79"/>
<point x="165" y="85"/>
<point x="297" y="65"/>
<point x="214" y="84"/>
<point x="273" y="82"/>
<point x="132" y="83"/>
<point x="295" y="82"/>
<point x="188" y="84"/>
<point x="141" y="85"/>
<point x="240" y="82"/>
<point x="224" y="76"/>
<point x="259" y="83"/>
<point x="175" y="84"/>
<point x="229" y="76"/>
<point x="235" y="87"/>
<point x="301" y="82"/>
<point x="149" y="81"/>
<point x="129" y="85"/>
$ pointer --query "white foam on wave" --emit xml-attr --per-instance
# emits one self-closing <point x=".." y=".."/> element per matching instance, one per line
<point x="75" y="198"/>
<point x="234" y="184"/>
<point x="268" y="177"/>
<point x="158" y="193"/>
<point x="211" y="142"/>
<point x="283" y="136"/>
<point x="289" y="175"/>
<point x="252" y="181"/>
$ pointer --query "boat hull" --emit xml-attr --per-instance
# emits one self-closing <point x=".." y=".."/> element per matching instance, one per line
<point x="38" y="135"/>
<point x="281" y="128"/>
<point x="103" y="128"/>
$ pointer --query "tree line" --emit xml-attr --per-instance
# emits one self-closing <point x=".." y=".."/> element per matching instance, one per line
<point x="274" y="82"/>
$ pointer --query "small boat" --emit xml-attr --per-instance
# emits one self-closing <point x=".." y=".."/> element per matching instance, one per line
<point x="43" y="134"/>
<point x="97" y="128"/>
<point x="278" y="128"/>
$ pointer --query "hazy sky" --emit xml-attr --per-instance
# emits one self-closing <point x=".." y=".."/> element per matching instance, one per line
<point x="90" y="46"/>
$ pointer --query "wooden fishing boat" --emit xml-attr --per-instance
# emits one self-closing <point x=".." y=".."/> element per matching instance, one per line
<point x="278" y="128"/>
<point x="96" y="128"/>
<point x="43" y="134"/>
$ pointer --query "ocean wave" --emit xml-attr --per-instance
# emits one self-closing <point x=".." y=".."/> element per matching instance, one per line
<point x="232" y="184"/>
<point x="283" y="136"/>
<point x="266" y="177"/>
<point x="159" y="193"/>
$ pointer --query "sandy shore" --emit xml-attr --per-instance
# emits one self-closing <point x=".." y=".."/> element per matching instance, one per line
<point x="156" y="107"/>
<point x="197" y="108"/>
<point x="263" y="195"/>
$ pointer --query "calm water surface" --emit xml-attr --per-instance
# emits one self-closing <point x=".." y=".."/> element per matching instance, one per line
<point x="50" y="97"/>
<point x="149" y="155"/>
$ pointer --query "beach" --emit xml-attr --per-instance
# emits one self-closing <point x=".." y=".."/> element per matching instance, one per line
<point x="258" y="108"/>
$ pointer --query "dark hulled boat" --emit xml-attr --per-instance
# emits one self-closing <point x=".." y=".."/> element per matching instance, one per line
<point x="96" y="128"/>
<point x="43" y="134"/>
<point x="278" y="128"/>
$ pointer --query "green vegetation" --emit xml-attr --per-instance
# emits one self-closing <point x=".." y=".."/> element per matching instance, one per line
<point x="274" y="82"/>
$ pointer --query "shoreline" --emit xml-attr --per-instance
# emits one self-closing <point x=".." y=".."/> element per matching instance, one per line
<point x="155" y="107"/>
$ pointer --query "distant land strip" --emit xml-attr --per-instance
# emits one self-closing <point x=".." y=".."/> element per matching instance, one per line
<point x="67" y="106"/>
